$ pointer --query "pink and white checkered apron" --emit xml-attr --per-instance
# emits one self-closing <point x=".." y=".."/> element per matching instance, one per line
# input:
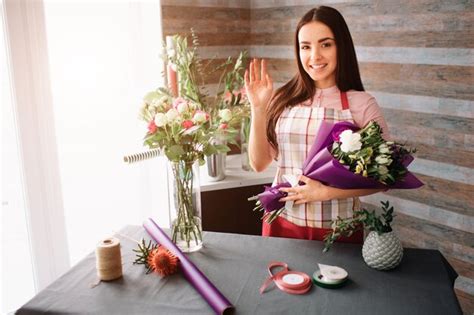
<point x="296" y="130"/>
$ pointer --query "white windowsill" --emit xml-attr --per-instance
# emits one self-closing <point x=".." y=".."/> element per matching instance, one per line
<point x="236" y="176"/>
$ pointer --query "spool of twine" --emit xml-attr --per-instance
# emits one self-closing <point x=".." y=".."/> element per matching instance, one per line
<point x="108" y="259"/>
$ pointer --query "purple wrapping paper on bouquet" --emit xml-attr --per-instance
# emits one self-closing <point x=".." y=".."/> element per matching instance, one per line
<point x="208" y="291"/>
<point x="320" y="165"/>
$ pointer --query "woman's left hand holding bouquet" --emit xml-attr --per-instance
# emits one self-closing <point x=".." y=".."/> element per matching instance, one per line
<point x="310" y="190"/>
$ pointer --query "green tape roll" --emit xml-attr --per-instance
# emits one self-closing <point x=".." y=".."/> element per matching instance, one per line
<point x="333" y="284"/>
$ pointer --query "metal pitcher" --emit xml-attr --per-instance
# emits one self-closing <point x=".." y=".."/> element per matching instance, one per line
<point x="216" y="166"/>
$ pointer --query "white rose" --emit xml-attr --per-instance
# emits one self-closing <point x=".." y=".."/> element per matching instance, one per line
<point x="350" y="141"/>
<point x="225" y="115"/>
<point x="160" y="120"/>
<point x="199" y="117"/>
<point x="182" y="107"/>
<point x="172" y="114"/>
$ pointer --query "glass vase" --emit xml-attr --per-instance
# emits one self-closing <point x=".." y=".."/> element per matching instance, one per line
<point x="185" y="205"/>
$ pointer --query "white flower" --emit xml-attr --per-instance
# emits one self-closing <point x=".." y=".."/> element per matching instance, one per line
<point x="383" y="148"/>
<point x="383" y="159"/>
<point x="199" y="117"/>
<point x="160" y="120"/>
<point x="158" y="101"/>
<point x="182" y="107"/>
<point x="171" y="52"/>
<point x="225" y="115"/>
<point x="350" y="141"/>
<point x="171" y="114"/>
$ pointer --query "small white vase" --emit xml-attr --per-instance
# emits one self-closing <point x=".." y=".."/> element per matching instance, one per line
<point x="382" y="252"/>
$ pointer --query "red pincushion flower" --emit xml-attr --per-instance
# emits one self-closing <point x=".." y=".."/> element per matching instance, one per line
<point x="162" y="261"/>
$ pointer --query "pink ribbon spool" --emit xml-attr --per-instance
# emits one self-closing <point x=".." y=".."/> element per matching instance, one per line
<point x="293" y="282"/>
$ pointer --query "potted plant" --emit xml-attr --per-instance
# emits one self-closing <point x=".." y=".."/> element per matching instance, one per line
<point x="382" y="249"/>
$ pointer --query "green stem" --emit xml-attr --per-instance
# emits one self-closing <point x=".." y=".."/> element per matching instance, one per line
<point x="185" y="224"/>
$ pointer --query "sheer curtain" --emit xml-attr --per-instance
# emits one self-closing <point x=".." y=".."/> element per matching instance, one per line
<point x="102" y="57"/>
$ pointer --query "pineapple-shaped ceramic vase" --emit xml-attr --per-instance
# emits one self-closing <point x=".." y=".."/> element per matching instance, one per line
<point x="382" y="252"/>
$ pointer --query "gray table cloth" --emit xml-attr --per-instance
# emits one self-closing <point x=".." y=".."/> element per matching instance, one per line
<point x="237" y="265"/>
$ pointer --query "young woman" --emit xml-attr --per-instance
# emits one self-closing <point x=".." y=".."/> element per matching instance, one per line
<point x="284" y="124"/>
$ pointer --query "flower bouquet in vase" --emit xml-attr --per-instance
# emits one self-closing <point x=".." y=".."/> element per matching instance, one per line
<point x="186" y="129"/>
<point x="181" y="130"/>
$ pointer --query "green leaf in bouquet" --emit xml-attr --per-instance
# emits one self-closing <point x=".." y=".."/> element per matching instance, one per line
<point x="202" y="161"/>
<point x="209" y="149"/>
<point x="150" y="96"/>
<point x="174" y="152"/>
<point x="148" y="136"/>
<point x="232" y="141"/>
<point x="150" y="143"/>
<point x="165" y="91"/>
<point x="222" y="148"/>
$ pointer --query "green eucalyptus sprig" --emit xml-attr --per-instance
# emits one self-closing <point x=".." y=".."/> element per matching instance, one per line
<point x="361" y="219"/>
<point x="143" y="252"/>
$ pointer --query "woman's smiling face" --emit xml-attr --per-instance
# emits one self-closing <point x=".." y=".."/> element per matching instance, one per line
<point x="318" y="53"/>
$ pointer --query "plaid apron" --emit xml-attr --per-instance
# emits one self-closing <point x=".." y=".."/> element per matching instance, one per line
<point x="296" y="130"/>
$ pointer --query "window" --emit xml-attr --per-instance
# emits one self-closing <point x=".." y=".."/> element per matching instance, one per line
<point x="102" y="57"/>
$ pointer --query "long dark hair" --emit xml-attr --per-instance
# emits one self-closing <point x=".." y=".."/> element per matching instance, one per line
<point x="301" y="87"/>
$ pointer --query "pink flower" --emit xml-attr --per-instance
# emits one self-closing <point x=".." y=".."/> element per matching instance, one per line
<point x="223" y="126"/>
<point x="228" y="96"/>
<point x="152" y="127"/>
<point x="187" y="124"/>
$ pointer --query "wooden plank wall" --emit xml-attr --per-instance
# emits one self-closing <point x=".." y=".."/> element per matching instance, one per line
<point x="417" y="59"/>
<point x="223" y="27"/>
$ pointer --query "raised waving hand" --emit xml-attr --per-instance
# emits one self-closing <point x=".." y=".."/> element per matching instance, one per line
<point x="258" y="84"/>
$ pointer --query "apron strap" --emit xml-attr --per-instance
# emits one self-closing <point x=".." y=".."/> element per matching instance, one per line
<point x="344" y="101"/>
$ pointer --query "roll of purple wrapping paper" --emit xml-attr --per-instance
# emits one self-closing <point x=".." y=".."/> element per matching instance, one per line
<point x="209" y="292"/>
